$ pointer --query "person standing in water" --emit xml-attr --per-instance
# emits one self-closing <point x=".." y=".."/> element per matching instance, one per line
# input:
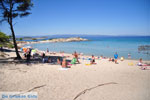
<point x="129" y="55"/>
<point x="116" y="57"/>
<point x="47" y="50"/>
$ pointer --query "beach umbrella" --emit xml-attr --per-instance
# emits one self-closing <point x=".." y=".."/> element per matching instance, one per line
<point x="24" y="49"/>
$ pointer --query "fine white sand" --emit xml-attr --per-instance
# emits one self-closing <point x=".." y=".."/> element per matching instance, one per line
<point x="116" y="81"/>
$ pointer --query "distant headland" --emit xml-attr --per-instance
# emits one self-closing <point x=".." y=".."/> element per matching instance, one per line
<point x="71" y="39"/>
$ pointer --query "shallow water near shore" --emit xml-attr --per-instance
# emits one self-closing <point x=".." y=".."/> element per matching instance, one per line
<point x="105" y="46"/>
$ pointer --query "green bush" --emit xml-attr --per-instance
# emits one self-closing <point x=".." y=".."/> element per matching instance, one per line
<point x="20" y="39"/>
<point x="3" y="38"/>
<point x="34" y="39"/>
<point x="9" y="45"/>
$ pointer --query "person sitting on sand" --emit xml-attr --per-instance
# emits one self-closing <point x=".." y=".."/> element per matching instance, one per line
<point x="58" y="61"/>
<point x="76" y="56"/>
<point x="93" y="60"/>
<point x="140" y="62"/>
<point x="101" y="57"/>
<point x="49" y="60"/>
<point x="110" y="59"/>
<point x="65" y="64"/>
<point x="73" y="61"/>
<point x="116" y="57"/>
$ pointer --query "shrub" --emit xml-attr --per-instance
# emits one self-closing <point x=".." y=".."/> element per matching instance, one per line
<point x="10" y="45"/>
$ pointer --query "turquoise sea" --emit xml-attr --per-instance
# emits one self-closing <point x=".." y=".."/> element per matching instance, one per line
<point x="102" y="45"/>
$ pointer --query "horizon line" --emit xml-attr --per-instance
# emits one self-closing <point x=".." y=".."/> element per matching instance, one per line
<point x="80" y="35"/>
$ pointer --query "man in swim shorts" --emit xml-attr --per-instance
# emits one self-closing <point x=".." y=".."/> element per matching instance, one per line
<point x="116" y="57"/>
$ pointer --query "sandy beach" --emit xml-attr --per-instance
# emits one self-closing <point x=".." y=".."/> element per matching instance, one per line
<point x="103" y="81"/>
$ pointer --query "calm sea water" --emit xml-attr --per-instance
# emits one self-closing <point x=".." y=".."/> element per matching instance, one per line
<point x="102" y="45"/>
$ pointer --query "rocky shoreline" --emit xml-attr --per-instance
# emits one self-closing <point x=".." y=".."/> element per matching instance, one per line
<point x="72" y="39"/>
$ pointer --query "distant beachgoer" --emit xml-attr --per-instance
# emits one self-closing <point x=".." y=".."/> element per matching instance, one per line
<point x="49" y="60"/>
<point x="62" y="54"/>
<point x="43" y="57"/>
<point x="143" y="66"/>
<point x="110" y="59"/>
<point x="81" y="54"/>
<point x="129" y="55"/>
<point x="47" y="50"/>
<point x="93" y="60"/>
<point x="28" y="55"/>
<point x="101" y="57"/>
<point x="116" y="57"/>
<point x="76" y="56"/>
<point x="104" y="57"/>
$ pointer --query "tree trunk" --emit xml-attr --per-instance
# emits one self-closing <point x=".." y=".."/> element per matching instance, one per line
<point x="14" y="40"/>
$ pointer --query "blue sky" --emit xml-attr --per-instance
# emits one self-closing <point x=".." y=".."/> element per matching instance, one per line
<point x="94" y="17"/>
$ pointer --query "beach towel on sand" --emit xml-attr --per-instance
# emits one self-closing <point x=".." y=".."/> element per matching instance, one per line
<point x="62" y="68"/>
<point x="131" y="64"/>
<point x="87" y="64"/>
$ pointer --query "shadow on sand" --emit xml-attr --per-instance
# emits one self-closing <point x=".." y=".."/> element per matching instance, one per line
<point x="36" y="60"/>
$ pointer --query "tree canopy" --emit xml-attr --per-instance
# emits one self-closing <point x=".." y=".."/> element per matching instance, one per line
<point x="3" y="38"/>
<point x="10" y="9"/>
<point x="14" y="8"/>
